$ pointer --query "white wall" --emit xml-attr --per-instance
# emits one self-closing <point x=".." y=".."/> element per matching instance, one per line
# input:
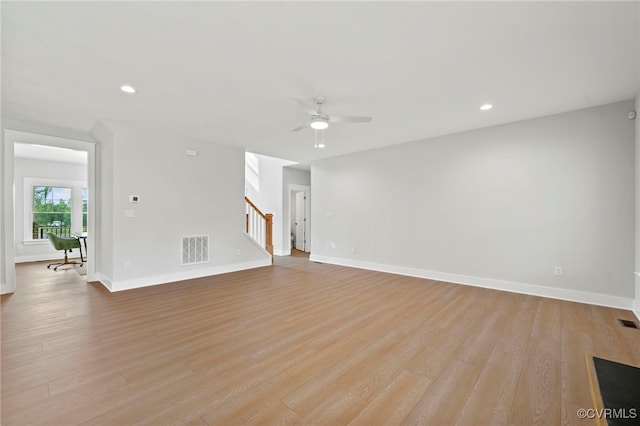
<point x="103" y="202"/>
<point x="637" y="222"/>
<point x="6" y="282"/>
<point x="497" y="207"/>
<point x="294" y="176"/>
<point x="637" y="252"/>
<point x="26" y="251"/>
<point x="180" y="196"/>
<point x="637" y="219"/>
<point x="7" y="273"/>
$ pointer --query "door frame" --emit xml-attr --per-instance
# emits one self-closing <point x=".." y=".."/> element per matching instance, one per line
<point x="300" y="212"/>
<point x="293" y="188"/>
<point x="10" y="137"/>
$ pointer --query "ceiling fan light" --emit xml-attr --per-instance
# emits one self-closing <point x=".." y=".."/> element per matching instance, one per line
<point x="319" y="123"/>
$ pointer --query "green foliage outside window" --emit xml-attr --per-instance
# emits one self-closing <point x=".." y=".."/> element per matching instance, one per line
<point x="85" y="199"/>
<point x="52" y="206"/>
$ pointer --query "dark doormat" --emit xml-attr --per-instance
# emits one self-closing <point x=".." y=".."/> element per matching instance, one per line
<point x="620" y="390"/>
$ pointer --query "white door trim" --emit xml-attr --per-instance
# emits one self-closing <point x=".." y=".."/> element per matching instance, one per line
<point x="10" y="137"/>
<point x="290" y="190"/>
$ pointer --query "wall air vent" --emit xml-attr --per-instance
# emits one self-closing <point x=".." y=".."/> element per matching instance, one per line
<point x="627" y="323"/>
<point x="195" y="249"/>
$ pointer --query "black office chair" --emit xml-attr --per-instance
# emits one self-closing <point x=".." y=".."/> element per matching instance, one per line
<point x="66" y="244"/>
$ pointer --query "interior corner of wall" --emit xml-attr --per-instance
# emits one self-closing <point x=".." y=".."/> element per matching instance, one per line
<point x="101" y="131"/>
<point x="102" y="279"/>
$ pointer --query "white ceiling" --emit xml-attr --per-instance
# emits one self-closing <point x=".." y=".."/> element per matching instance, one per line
<point x="49" y="153"/>
<point x="228" y="72"/>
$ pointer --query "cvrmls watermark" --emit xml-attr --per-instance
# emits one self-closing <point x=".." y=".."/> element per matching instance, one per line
<point x="607" y="413"/>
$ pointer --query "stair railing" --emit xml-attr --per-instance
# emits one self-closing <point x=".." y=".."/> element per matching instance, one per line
<point x="259" y="226"/>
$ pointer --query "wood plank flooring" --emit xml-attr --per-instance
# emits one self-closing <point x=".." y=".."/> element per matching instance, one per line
<point x="297" y="343"/>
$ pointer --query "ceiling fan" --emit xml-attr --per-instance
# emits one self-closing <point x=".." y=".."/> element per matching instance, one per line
<point x="320" y="121"/>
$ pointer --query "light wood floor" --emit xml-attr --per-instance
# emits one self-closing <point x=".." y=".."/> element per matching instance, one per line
<point x="297" y="343"/>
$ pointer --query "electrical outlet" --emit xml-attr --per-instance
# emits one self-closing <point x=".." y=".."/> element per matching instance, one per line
<point x="129" y="213"/>
<point x="557" y="270"/>
<point x="127" y="265"/>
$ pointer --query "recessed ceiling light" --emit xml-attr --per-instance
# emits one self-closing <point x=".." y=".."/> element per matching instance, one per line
<point x="127" y="89"/>
<point x="486" y="107"/>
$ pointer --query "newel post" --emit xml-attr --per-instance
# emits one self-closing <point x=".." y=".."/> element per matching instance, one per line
<point x="269" y="231"/>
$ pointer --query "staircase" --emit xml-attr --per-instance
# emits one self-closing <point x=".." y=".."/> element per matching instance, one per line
<point x="259" y="226"/>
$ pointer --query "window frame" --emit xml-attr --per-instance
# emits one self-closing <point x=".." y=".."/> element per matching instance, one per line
<point x="76" y="203"/>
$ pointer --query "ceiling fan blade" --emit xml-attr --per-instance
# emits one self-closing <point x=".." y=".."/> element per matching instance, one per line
<point x="302" y="126"/>
<point x="308" y="108"/>
<point x="349" y="119"/>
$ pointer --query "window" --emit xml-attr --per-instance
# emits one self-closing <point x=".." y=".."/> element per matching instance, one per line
<point x="85" y="201"/>
<point x="59" y="206"/>
<point x="51" y="211"/>
<point x="251" y="172"/>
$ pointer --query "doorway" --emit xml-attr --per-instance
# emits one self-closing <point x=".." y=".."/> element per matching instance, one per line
<point x="299" y="218"/>
<point x="13" y="236"/>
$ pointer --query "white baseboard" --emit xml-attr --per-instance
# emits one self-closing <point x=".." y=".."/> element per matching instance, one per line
<point x="120" y="285"/>
<point x="514" y="287"/>
<point x="41" y="257"/>
<point x="102" y="279"/>
<point x="114" y="286"/>
<point x="282" y="252"/>
<point x="6" y="288"/>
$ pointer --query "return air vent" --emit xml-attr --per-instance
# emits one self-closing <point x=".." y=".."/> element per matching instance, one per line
<point x="627" y="323"/>
<point x="195" y="249"/>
